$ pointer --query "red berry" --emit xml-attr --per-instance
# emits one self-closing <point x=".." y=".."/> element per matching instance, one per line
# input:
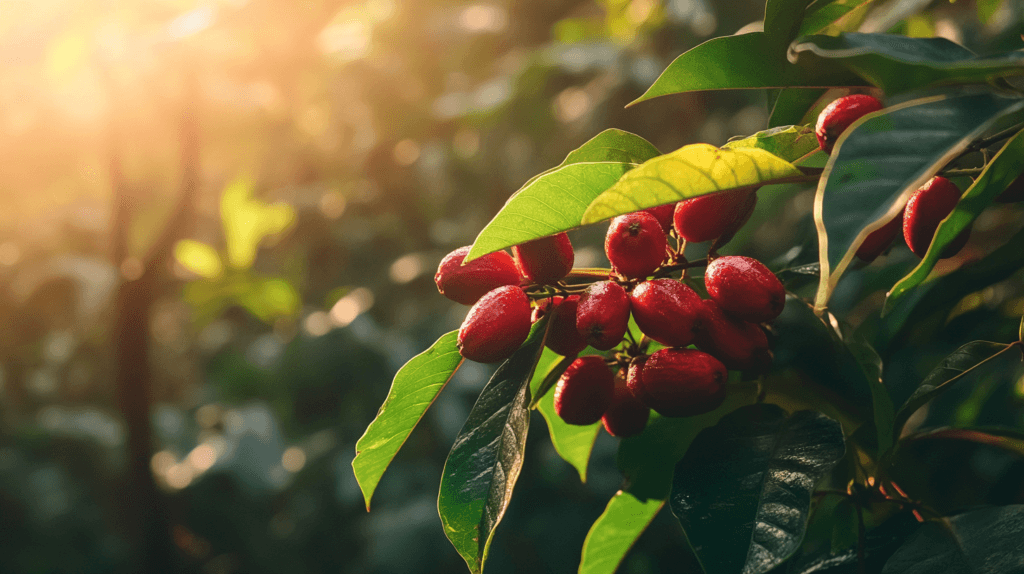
<point x="745" y="289"/>
<point x="684" y="382"/>
<point x="929" y="205"/>
<point x="585" y="391"/>
<point x="542" y="307"/>
<point x="880" y="239"/>
<point x="1013" y="192"/>
<point x="563" y="337"/>
<point x="741" y="346"/>
<point x="663" y="213"/>
<point x="545" y="260"/>
<point x="626" y="416"/>
<point x="602" y="316"/>
<point x="634" y="380"/>
<point x="709" y="216"/>
<point x="667" y="311"/>
<point x="468" y="283"/>
<point x="635" y="244"/>
<point x="837" y="116"/>
<point x="496" y="325"/>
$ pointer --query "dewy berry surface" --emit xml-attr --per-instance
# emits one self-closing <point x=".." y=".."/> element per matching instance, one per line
<point x="740" y="345"/>
<point x="839" y="115"/>
<point x="546" y="260"/>
<point x="709" y="216"/>
<point x="468" y="283"/>
<point x="664" y="214"/>
<point x="496" y="325"/>
<point x="684" y="382"/>
<point x="634" y="381"/>
<point x="563" y="337"/>
<point x="626" y="416"/>
<point x="602" y="315"/>
<point x="585" y="391"/>
<point x="880" y="239"/>
<point x="667" y="311"/>
<point x="635" y="244"/>
<point x="745" y="289"/>
<point x="925" y="210"/>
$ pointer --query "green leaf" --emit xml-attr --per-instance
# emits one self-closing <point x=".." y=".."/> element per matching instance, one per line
<point x="1005" y="167"/>
<point x="732" y="62"/>
<point x="573" y="443"/>
<point x="981" y="541"/>
<point x="690" y="171"/>
<point x="270" y="298"/>
<point x="883" y="411"/>
<point x="835" y="16"/>
<point x="1005" y="438"/>
<point x="555" y="200"/>
<point x="844" y="530"/>
<point x="414" y="389"/>
<point x="247" y="222"/>
<point x="549" y="368"/>
<point x="484" y="463"/>
<point x="791" y="106"/>
<point x="880" y="160"/>
<point x="789" y="143"/>
<point x="782" y="19"/>
<point x="198" y="258"/>
<point x="615" y="531"/>
<point x="899" y="64"/>
<point x="743" y="491"/>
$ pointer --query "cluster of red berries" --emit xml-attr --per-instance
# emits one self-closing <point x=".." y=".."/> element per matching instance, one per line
<point x="509" y="293"/>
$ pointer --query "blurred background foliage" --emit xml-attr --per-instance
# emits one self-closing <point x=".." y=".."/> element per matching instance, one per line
<point x="342" y="149"/>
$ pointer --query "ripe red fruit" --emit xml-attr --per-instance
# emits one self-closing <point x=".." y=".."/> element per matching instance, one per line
<point x="585" y="391"/>
<point x="563" y="337"/>
<point x="880" y="239"/>
<point x="1013" y="192"/>
<point x="545" y="260"/>
<point x="634" y="381"/>
<point x="542" y="307"/>
<point x="684" y="382"/>
<point x="663" y="213"/>
<point x="468" y="283"/>
<point x="635" y="244"/>
<point x="709" y="216"/>
<point x="602" y="315"/>
<point x="667" y="311"/>
<point x="837" y="116"/>
<point x="929" y="205"/>
<point x="626" y="416"/>
<point x="745" y="289"/>
<point x="496" y="325"/>
<point x="741" y="346"/>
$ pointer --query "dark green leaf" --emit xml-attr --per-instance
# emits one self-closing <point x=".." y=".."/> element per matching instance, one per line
<point x="870" y="364"/>
<point x="834" y="16"/>
<point x="881" y="159"/>
<point x="787" y="142"/>
<point x="615" y="531"/>
<point x="484" y="463"/>
<point x="898" y="63"/>
<point x="1005" y="438"/>
<point x="555" y="200"/>
<point x="572" y="443"/>
<point x="880" y="543"/>
<point x="1005" y="167"/>
<point x="844" y="530"/>
<point x="791" y="106"/>
<point x="981" y="541"/>
<point x="743" y="490"/>
<point x="782" y="20"/>
<point x="414" y="389"/>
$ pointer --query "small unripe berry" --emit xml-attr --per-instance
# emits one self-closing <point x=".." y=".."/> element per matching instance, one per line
<point x="667" y="311"/>
<point x="585" y="391"/>
<point x="745" y="289"/>
<point x="837" y="116"/>
<point x="880" y="239"/>
<point x="468" y="283"/>
<point x="663" y="213"/>
<point x="634" y="381"/>
<point x="626" y="416"/>
<point x="1013" y="192"/>
<point x="545" y="260"/>
<point x="635" y="244"/>
<point x="496" y="326"/>
<point x="684" y="382"/>
<point x="563" y="337"/>
<point x="929" y="205"/>
<point x="741" y="346"/>
<point x="602" y="315"/>
<point x="710" y="216"/>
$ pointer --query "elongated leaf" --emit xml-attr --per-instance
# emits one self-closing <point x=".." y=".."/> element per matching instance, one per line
<point x="555" y="200"/>
<point x="789" y="143"/>
<point x="414" y="389"/>
<point x="981" y="541"/>
<point x="898" y="63"/>
<point x="834" y="16"/>
<point x="950" y="370"/>
<point x="743" y="490"/>
<point x="615" y="531"/>
<point x="782" y="19"/>
<point x="690" y="171"/>
<point x="1005" y="438"/>
<point x="791" y="105"/>
<point x="484" y="463"/>
<point x="573" y="443"/>
<point x="879" y="545"/>
<point x="880" y="160"/>
<point x="731" y="62"/>
<point x="1005" y="167"/>
<point x="883" y="411"/>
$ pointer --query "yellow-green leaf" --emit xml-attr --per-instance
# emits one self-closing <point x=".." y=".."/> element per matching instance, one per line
<point x="198" y="258"/>
<point x="247" y="222"/>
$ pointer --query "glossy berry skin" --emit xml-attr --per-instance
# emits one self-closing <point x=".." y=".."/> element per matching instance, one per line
<point x="635" y="244"/>
<point x="602" y="315"/>
<point x="929" y="205"/>
<point x="741" y="346"/>
<point x="710" y="216"/>
<point x="880" y="239"/>
<point x="634" y="380"/>
<point x="563" y="337"/>
<point x="684" y="382"/>
<point x="1013" y="192"/>
<point x="496" y="326"/>
<point x="667" y="311"/>
<point x="466" y="284"/>
<point x="837" y="116"/>
<point x="585" y="391"/>
<point x="546" y="260"/>
<point x="664" y="214"/>
<point x="626" y="416"/>
<point x="745" y="289"/>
